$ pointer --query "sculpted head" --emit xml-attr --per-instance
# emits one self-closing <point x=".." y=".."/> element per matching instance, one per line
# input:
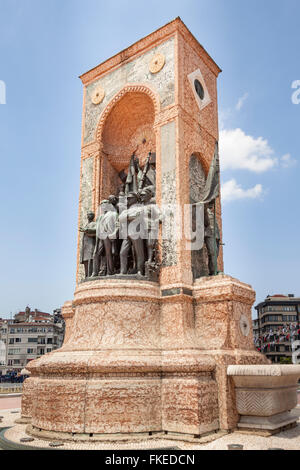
<point x="132" y="198"/>
<point x="146" y="194"/>
<point x="90" y="216"/>
<point x="113" y="199"/>
<point x="136" y="162"/>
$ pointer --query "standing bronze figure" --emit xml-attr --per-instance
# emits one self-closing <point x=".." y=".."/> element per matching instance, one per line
<point x="151" y="219"/>
<point x="88" y="244"/>
<point x="99" y="259"/>
<point x="211" y="237"/>
<point x="129" y="222"/>
<point x="108" y="231"/>
<point x="134" y="176"/>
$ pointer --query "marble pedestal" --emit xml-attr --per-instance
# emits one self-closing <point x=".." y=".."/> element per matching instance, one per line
<point x="137" y="360"/>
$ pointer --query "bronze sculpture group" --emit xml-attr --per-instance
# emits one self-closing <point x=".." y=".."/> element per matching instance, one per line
<point x="124" y="238"/>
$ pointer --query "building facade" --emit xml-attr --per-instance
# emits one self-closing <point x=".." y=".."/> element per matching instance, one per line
<point x="28" y="336"/>
<point x="276" y="328"/>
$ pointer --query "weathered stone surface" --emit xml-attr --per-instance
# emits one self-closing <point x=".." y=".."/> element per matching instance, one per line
<point x="219" y="303"/>
<point x="168" y="184"/>
<point x="181" y="399"/>
<point x="136" y="71"/>
<point x="135" y="361"/>
<point x="265" y="394"/>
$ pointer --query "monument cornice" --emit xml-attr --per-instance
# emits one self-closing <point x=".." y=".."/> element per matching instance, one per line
<point x="222" y="288"/>
<point x="160" y="35"/>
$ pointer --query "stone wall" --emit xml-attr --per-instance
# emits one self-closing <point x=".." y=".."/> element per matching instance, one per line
<point x="168" y="185"/>
<point x="136" y="71"/>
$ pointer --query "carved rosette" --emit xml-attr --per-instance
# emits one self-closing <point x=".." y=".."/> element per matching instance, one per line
<point x="157" y="63"/>
<point x="98" y="95"/>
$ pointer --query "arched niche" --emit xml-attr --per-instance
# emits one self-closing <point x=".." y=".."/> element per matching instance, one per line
<point x="125" y="127"/>
<point x="197" y="177"/>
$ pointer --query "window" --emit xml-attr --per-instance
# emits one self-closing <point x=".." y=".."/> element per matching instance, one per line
<point x="11" y="340"/>
<point x="49" y="340"/>
<point x="32" y="340"/>
<point x="30" y="351"/>
<point x="49" y="350"/>
<point x="11" y="352"/>
<point x="18" y="340"/>
<point x="289" y="318"/>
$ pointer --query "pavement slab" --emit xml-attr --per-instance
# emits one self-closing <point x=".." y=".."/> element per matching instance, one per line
<point x="287" y="440"/>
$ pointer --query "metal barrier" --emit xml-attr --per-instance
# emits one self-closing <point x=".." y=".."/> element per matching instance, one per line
<point x="13" y="388"/>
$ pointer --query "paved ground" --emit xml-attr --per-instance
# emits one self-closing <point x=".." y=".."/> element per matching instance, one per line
<point x="289" y="440"/>
<point x="11" y="401"/>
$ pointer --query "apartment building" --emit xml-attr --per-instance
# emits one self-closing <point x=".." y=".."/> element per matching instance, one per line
<point x="28" y="336"/>
<point x="276" y="328"/>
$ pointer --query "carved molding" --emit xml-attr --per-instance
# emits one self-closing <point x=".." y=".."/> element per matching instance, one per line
<point x="134" y="88"/>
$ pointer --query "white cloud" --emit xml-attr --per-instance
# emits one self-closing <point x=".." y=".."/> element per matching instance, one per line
<point x="239" y="151"/>
<point x="241" y="101"/>
<point x="287" y="161"/>
<point x="231" y="191"/>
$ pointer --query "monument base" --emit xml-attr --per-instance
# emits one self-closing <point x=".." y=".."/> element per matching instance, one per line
<point x="125" y="438"/>
<point x="268" y="423"/>
<point x="138" y="360"/>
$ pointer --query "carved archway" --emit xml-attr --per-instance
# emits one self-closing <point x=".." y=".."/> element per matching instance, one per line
<point x="134" y="88"/>
<point x="126" y="125"/>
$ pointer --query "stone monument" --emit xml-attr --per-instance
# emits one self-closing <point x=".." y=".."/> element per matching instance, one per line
<point x="149" y="337"/>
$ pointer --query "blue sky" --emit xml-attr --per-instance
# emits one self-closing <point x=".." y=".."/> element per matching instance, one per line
<point x="46" y="44"/>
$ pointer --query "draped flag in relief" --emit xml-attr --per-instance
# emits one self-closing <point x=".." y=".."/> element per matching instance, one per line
<point x="212" y="185"/>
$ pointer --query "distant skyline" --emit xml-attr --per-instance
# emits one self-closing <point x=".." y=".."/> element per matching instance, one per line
<point x="45" y="46"/>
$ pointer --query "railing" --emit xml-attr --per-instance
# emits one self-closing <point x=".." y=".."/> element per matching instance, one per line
<point x="10" y="388"/>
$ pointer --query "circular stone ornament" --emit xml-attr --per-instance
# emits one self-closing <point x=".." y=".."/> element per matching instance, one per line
<point x="157" y="63"/>
<point x="98" y="95"/>
<point x="244" y="325"/>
